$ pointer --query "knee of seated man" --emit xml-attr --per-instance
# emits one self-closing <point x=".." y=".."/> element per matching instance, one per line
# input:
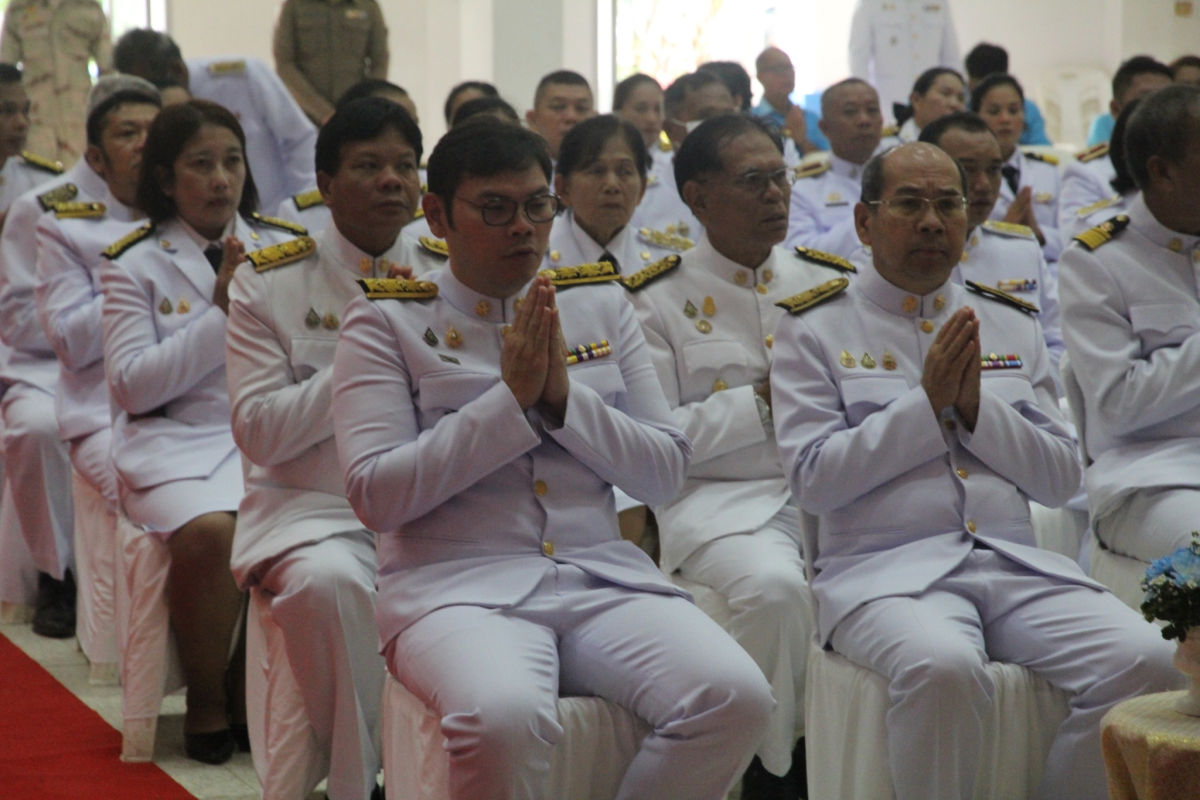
<point x="1144" y="662"/>
<point x="781" y="591"/>
<point x="947" y="667"/>
<point x="334" y="573"/>
<point x="506" y="724"/>
<point x="732" y="689"/>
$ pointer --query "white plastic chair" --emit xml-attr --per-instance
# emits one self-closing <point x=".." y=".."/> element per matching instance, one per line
<point x="96" y="579"/>
<point x="1070" y="98"/>
<point x="598" y="743"/>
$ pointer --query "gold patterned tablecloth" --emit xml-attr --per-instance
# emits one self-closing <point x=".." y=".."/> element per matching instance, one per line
<point x="1151" y="751"/>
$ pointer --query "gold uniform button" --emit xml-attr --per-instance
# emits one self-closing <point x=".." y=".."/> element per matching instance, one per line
<point x="1175" y="245"/>
<point x="548" y="548"/>
<point x="770" y="340"/>
<point x="719" y="385"/>
<point x="927" y="326"/>
<point x="740" y="277"/>
<point x="645" y="255"/>
<point x="483" y="308"/>
<point x="970" y="526"/>
<point x="540" y="488"/>
<point x="909" y="304"/>
<point x="761" y="288"/>
<point x="364" y="265"/>
<point x="555" y="255"/>
<point x="962" y="473"/>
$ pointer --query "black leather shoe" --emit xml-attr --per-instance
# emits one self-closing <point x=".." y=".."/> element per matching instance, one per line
<point x="800" y="769"/>
<point x="378" y="794"/>
<point x="210" y="748"/>
<point x="758" y="784"/>
<point x="55" y="614"/>
<point x="241" y="736"/>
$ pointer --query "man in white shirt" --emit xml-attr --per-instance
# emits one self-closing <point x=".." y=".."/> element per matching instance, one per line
<point x="562" y="99"/>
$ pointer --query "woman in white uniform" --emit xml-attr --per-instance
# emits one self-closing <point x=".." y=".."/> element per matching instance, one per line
<point x="1124" y="188"/>
<point x="938" y="92"/>
<point x="164" y="310"/>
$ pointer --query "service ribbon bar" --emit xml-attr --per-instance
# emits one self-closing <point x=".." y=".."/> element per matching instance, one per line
<point x="587" y="352"/>
<point x="993" y="361"/>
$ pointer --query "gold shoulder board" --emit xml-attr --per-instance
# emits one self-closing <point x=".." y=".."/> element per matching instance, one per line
<point x="1093" y="152"/>
<point x="640" y="280"/>
<point x="1102" y="233"/>
<point x="1099" y="204"/>
<point x="59" y="194"/>
<point x="814" y="169"/>
<point x="307" y="200"/>
<point x="825" y="259"/>
<point x="889" y="130"/>
<point x="227" y="67"/>
<point x="599" y="272"/>
<point x="127" y="241"/>
<point x="280" y="224"/>
<point x="435" y="246"/>
<point x="669" y="241"/>
<point x="799" y="303"/>
<point x="1009" y="229"/>
<point x="1045" y="158"/>
<point x="42" y="163"/>
<point x="1004" y="297"/>
<point x="277" y="255"/>
<point x="398" y="289"/>
<point x="79" y="210"/>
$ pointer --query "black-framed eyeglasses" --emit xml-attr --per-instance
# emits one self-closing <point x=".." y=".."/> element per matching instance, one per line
<point x="500" y="211"/>
<point x="951" y="206"/>
<point x="756" y="181"/>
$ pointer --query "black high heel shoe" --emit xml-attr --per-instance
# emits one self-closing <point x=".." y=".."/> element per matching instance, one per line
<point x="210" y="748"/>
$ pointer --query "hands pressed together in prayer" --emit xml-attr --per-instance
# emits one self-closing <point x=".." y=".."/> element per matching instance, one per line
<point x="533" y="359"/>
<point x="953" y="367"/>
<point x="233" y="253"/>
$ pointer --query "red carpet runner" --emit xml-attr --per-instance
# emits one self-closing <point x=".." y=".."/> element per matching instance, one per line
<point x="53" y="746"/>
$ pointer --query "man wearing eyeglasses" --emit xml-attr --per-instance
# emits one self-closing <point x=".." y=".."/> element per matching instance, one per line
<point x="917" y="418"/>
<point x="482" y="417"/>
<point x="709" y="322"/>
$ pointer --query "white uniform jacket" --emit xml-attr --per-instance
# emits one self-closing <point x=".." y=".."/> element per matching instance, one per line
<point x="281" y="338"/>
<point x="69" y="301"/>
<point x="893" y="41"/>
<point x="1009" y="258"/>
<point x="164" y="356"/>
<point x="633" y="249"/>
<point x="1085" y="182"/>
<point x="1042" y="177"/>
<point x="28" y="357"/>
<point x="821" y="216"/>
<point x="474" y="499"/>
<point x="903" y="496"/>
<point x="18" y="176"/>
<point x="735" y="481"/>
<point x="307" y="209"/>
<point x="281" y="142"/>
<point x="1091" y="216"/>
<point x="662" y="209"/>
<point x="1131" y="322"/>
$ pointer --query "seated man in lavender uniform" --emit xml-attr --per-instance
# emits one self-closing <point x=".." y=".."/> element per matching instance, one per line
<point x="917" y="418"/>
<point x="484" y="455"/>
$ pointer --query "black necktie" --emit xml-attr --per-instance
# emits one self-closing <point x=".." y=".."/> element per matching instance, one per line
<point x="214" y="254"/>
<point x="1012" y="176"/>
<point x="607" y="257"/>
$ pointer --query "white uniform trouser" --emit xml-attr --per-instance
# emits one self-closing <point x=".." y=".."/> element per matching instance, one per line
<point x="91" y="456"/>
<point x="761" y="576"/>
<point x="323" y="599"/>
<point x="1151" y="523"/>
<point x="932" y="649"/>
<point x="37" y="465"/>
<point x="96" y="554"/>
<point x="494" y="676"/>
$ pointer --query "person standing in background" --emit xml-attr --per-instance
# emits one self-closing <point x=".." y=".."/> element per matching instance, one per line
<point x="778" y="78"/>
<point x="54" y="40"/>
<point x="323" y="47"/>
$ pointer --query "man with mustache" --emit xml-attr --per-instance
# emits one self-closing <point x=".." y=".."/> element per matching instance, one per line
<point x="917" y="418"/>
<point x="483" y="416"/>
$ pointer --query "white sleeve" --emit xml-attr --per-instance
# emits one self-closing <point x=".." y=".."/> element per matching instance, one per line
<point x="861" y="41"/>
<point x="67" y="303"/>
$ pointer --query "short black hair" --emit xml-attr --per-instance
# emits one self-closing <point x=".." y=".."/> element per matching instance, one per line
<point x="561" y="77"/>
<point x="368" y="87"/>
<point x="991" y="82"/>
<point x="483" y="87"/>
<point x="170" y="132"/>
<point x="827" y="95"/>
<point x="9" y="73"/>
<point x="926" y="79"/>
<point x="582" y="145"/>
<point x="626" y="88"/>
<point x="495" y="106"/>
<point x="675" y="95"/>
<point x="735" y="78"/>
<point x="967" y="121"/>
<point x="1163" y="125"/>
<point x="688" y="84"/>
<point x="1137" y="65"/>
<point x="361" y="121"/>
<point x="147" y="53"/>
<point x="1123" y="181"/>
<point x="97" y="121"/>
<point x="873" y="178"/>
<point x="481" y="147"/>
<point x="701" y="150"/>
<point x="1181" y="62"/>
<point x="986" y="59"/>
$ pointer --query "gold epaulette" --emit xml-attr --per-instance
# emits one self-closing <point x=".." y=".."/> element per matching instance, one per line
<point x="640" y="280"/>
<point x="1092" y="153"/>
<point x="280" y="224"/>
<point x="59" y="194"/>
<point x="128" y="240"/>
<point x="1102" y="233"/>
<point x="398" y="289"/>
<point x="277" y="255"/>
<point x="237" y="67"/>
<point x="813" y="169"/>
<point x="799" y="303"/>
<point x="1009" y="229"/>
<point x="824" y="259"/>
<point x="307" y="200"/>
<point x="599" y="272"/>
<point x="664" y="142"/>
<point x="435" y="246"/>
<point x="1099" y="204"/>
<point x="670" y="241"/>
<point x="42" y="163"/>
<point x="993" y="293"/>
<point x="1045" y="158"/>
<point x="889" y="130"/>
<point x="79" y="210"/>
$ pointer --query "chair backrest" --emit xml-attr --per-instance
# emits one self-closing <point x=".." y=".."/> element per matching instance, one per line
<point x="1070" y="98"/>
<point x="1074" y="393"/>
